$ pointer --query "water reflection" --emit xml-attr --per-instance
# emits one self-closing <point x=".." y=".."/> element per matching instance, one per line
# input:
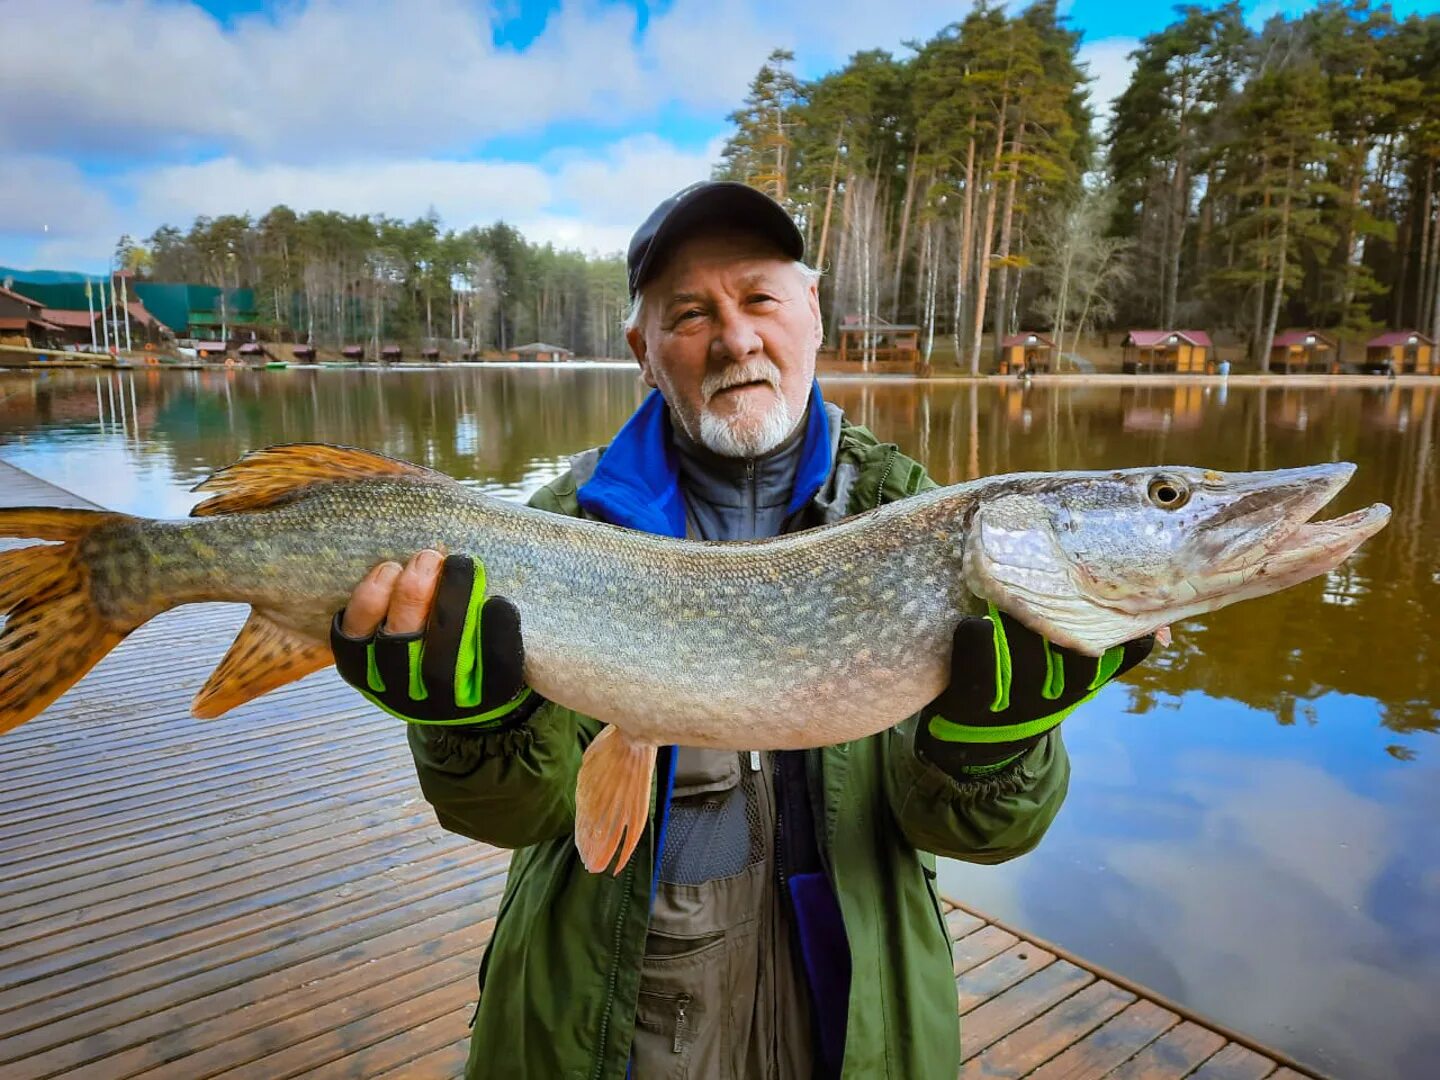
<point x="1251" y="827"/>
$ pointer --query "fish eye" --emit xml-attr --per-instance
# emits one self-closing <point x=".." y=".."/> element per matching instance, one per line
<point x="1168" y="493"/>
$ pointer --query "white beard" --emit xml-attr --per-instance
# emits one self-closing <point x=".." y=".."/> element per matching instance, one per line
<point x="745" y="435"/>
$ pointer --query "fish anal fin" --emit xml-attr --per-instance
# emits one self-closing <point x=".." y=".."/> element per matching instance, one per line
<point x="612" y="799"/>
<point x="263" y="657"/>
<point x="277" y="474"/>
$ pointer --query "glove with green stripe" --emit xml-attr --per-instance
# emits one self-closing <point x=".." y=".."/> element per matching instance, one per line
<point x="466" y="668"/>
<point x="1008" y="687"/>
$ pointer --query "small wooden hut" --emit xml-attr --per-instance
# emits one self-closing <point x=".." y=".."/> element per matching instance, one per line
<point x="1403" y="352"/>
<point x="254" y="351"/>
<point x="893" y="342"/>
<point x="539" y="350"/>
<point x="392" y="354"/>
<point x="1026" y="352"/>
<point x="1183" y="351"/>
<point x="211" y="350"/>
<point x="304" y="353"/>
<point x="353" y="353"/>
<point x="1305" y="350"/>
<point x="430" y="353"/>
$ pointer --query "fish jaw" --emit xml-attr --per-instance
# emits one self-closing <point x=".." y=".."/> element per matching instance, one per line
<point x="1093" y="561"/>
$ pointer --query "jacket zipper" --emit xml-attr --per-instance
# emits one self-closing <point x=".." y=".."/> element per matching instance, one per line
<point x="754" y="496"/>
<point x="681" y="1020"/>
<point x="614" y="973"/>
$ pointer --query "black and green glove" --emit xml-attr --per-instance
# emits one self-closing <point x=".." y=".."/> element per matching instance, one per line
<point x="467" y="667"/>
<point x="1008" y="687"/>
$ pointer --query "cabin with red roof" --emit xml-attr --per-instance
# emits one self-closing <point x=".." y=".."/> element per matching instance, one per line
<point x="1026" y="351"/>
<point x="1183" y="351"/>
<point x="23" y="322"/>
<point x="1305" y="350"/>
<point x="1403" y="352"/>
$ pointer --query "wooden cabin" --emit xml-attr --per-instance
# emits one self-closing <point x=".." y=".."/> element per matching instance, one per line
<point x="1403" y="352"/>
<point x="430" y="353"/>
<point x="539" y="350"/>
<point x="354" y="353"/>
<point x="1183" y="351"/>
<point x="253" y="350"/>
<point x="211" y="350"/>
<point x="1026" y="352"/>
<point x="1305" y="350"/>
<point x="392" y="354"/>
<point x="890" y="342"/>
<point x="304" y="353"/>
<point x="22" y="322"/>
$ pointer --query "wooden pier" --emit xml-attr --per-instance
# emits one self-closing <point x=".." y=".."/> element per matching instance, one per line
<point x="267" y="895"/>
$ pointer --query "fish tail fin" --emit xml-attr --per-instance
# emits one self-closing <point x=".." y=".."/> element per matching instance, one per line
<point x="612" y="799"/>
<point x="53" y="631"/>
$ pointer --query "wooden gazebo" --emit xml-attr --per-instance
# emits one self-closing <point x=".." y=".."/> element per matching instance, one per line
<point x="354" y="353"/>
<point x="430" y="352"/>
<point x="1404" y="352"/>
<point x="889" y="341"/>
<point x="392" y="354"/>
<point x="1026" y="352"/>
<point x="304" y="353"/>
<point x="1184" y="351"/>
<point x="1305" y="350"/>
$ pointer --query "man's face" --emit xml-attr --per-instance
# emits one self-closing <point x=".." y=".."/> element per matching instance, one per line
<point x="728" y="335"/>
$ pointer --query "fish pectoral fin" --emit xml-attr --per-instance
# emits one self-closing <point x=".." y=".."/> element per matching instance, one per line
<point x="612" y="799"/>
<point x="263" y="656"/>
<point x="277" y="474"/>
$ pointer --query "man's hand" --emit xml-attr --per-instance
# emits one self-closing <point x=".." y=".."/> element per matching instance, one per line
<point x="1008" y="687"/>
<point x="425" y="644"/>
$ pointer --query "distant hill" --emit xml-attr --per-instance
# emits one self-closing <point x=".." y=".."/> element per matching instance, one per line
<point x="42" y="277"/>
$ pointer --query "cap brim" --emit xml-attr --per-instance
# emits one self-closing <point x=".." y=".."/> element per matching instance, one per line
<point x="725" y="204"/>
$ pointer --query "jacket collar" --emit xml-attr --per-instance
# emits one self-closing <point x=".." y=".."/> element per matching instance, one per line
<point x="637" y="481"/>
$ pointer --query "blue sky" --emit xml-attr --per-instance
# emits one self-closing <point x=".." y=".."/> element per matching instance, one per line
<point x="569" y="120"/>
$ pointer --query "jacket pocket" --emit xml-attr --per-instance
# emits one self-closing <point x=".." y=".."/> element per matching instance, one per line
<point x="681" y="1029"/>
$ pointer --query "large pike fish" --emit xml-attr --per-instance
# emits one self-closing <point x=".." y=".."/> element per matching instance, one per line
<point x="808" y="639"/>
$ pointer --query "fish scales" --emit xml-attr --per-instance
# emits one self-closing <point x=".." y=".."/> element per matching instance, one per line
<point x="805" y="640"/>
<point x="761" y="646"/>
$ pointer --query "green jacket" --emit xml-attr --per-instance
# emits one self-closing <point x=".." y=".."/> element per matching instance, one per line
<point x="560" y="981"/>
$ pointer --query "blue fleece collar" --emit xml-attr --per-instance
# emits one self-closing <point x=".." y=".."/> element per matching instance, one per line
<point x="637" y="482"/>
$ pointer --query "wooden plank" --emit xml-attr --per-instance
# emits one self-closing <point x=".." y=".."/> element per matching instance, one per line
<point x="1111" y="1044"/>
<point x="1176" y="1053"/>
<point x="395" y="1056"/>
<point x="304" y="1058"/>
<point x="998" y="1017"/>
<point x="960" y="923"/>
<point x="1026" y="1049"/>
<point x="299" y="1044"/>
<point x="981" y="983"/>
<point x="1235" y="1062"/>
<point x="200" y="991"/>
<point x="980" y="946"/>
<point x="447" y="1063"/>
<point x="155" y="962"/>
<point x="204" y="870"/>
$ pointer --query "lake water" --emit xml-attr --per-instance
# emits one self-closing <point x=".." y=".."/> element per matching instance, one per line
<point x="1252" y="820"/>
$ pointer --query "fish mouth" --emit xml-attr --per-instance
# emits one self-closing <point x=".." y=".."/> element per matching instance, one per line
<point x="1265" y="538"/>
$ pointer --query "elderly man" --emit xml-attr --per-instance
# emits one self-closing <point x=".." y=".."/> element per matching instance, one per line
<point x="780" y="917"/>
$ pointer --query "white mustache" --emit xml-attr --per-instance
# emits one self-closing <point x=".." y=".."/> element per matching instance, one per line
<point x="758" y="370"/>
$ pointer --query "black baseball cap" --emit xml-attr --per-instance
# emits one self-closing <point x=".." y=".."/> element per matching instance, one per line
<point x="711" y="202"/>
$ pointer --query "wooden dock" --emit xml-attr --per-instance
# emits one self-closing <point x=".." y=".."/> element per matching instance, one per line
<point x="267" y="895"/>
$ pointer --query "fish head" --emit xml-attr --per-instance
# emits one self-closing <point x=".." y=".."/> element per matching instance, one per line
<point x="1091" y="560"/>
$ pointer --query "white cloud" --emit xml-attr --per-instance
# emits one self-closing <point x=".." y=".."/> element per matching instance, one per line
<point x="50" y="198"/>
<point x="589" y="201"/>
<point x="313" y="79"/>
<point x="1109" y="64"/>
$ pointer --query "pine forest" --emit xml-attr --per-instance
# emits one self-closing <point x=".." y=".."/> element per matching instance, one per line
<point x="1250" y="179"/>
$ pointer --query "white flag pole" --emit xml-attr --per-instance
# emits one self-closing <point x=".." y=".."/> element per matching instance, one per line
<point x="90" y="307"/>
<point x="125" y="306"/>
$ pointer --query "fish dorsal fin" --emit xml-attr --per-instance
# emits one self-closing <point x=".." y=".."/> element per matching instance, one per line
<point x="263" y="656"/>
<point x="277" y="474"/>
